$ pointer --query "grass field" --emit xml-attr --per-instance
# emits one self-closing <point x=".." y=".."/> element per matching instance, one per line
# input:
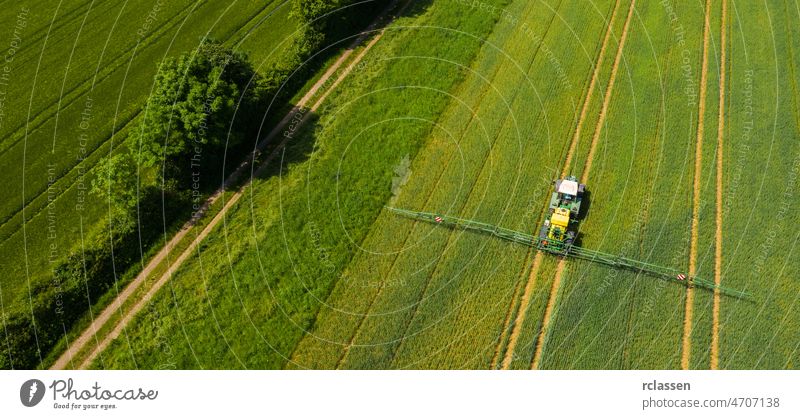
<point x="682" y="118"/>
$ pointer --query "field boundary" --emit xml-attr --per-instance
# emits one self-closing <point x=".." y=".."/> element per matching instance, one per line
<point x="71" y="97"/>
<point x="89" y="333"/>
<point x="473" y="115"/>
<point x="74" y="93"/>
<point x="698" y="167"/>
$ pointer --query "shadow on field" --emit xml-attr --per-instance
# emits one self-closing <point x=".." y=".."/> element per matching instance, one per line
<point x="347" y="30"/>
<point x="298" y="147"/>
<point x="586" y="204"/>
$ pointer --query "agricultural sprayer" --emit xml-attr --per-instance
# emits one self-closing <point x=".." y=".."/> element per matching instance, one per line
<point x="559" y="232"/>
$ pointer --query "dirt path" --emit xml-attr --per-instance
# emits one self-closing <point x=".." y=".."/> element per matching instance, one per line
<point x="698" y="166"/>
<point x="551" y="302"/>
<point x="720" y="156"/>
<point x="89" y="334"/>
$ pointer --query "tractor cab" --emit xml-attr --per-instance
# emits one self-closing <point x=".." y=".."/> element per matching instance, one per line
<point x="568" y="194"/>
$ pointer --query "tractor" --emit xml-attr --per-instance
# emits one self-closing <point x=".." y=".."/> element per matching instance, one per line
<point x="559" y="230"/>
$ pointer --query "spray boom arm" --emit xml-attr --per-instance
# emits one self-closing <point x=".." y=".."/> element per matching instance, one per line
<point x="559" y="248"/>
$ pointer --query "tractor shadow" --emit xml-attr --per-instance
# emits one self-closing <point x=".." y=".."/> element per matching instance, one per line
<point x="586" y="204"/>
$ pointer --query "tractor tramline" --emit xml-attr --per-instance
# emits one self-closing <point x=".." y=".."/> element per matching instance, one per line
<point x="559" y="232"/>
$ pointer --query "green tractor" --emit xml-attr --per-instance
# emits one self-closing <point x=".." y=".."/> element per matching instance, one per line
<point x="560" y="225"/>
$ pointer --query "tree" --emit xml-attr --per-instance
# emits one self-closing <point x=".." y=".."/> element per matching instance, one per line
<point x="192" y="110"/>
<point x="326" y="21"/>
<point x="116" y="183"/>
<point x="308" y="11"/>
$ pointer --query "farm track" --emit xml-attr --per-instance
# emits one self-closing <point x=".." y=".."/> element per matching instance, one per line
<point x="698" y="166"/>
<point x="720" y="156"/>
<point x="377" y="295"/>
<point x="530" y="285"/>
<point x="556" y="287"/>
<point x="90" y="332"/>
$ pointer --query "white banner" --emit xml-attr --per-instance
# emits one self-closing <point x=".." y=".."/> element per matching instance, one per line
<point x="399" y="394"/>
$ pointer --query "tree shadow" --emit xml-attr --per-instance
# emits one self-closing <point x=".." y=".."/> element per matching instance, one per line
<point x="295" y="146"/>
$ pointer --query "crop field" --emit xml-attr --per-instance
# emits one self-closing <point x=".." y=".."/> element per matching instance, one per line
<point x="682" y="119"/>
<point x="322" y="156"/>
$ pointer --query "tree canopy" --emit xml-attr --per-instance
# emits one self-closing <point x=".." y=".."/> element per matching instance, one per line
<point x="202" y="102"/>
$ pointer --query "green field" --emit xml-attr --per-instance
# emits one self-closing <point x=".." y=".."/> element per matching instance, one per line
<point x="462" y="108"/>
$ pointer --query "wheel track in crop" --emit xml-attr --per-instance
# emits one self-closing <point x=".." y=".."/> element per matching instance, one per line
<point x="505" y="120"/>
<point x="698" y="167"/>
<point x="116" y="305"/>
<point x="506" y="323"/>
<point x="123" y="122"/>
<point x="74" y="93"/>
<point x="556" y="286"/>
<point x="525" y="298"/>
<point x="718" y="218"/>
<point x="587" y="101"/>
<point x="522" y="311"/>
<point x="66" y="19"/>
